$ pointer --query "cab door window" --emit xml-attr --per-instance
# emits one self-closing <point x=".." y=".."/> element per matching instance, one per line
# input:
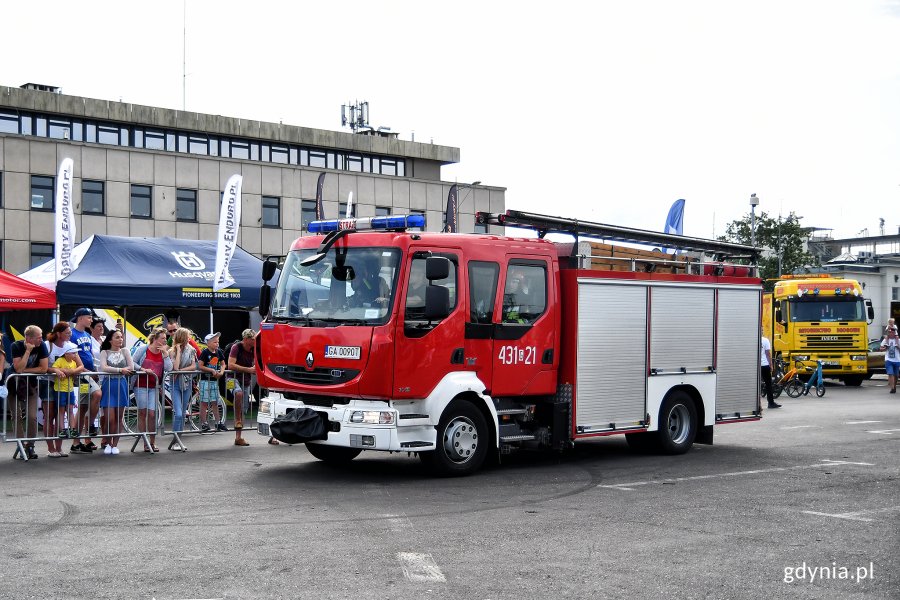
<point x="414" y="314"/>
<point x="482" y="291"/>
<point x="525" y="293"/>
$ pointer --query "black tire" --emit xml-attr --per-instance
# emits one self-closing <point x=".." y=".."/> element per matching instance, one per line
<point x="853" y="380"/>
<point x="677" y="424"/>
<point x="794" y="388"/>
<point x="333" y="454"/>
<point x="462" y="441"/>
<point x="820" y="390"/>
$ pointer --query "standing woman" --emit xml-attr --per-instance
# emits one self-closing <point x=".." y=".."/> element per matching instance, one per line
<point x="114" y="359"/>
<point x="152" y="358"/>
<point x="184" y="358"/>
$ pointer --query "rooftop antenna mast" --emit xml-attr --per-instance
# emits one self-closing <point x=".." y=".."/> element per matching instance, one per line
<point x="355" y="116"/>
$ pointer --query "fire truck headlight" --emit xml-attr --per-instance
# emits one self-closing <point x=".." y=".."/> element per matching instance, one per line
<point x="858" y="357"/>
<point x="372" y="417"/>
<point x="265" y="407"/>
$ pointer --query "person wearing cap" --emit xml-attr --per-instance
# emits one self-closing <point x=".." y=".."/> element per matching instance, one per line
<point x="89" y="405"/>
<point x="212" y="367"/>
<point x="66" y="369"/>
<point x="241" y="359"/>
<point x="57" y="412"/>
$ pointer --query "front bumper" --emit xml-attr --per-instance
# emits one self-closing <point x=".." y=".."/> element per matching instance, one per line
<point x="408" y="431"/>
<point x="848" y="364"/>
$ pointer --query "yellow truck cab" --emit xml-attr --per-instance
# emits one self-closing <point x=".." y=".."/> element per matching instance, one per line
<point x="809" y="318"/>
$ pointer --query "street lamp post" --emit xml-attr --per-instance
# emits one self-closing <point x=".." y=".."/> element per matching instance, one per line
<point x="754" y="202"/>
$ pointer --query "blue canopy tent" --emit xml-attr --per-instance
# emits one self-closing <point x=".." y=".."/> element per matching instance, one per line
<point x="131" y="271"/>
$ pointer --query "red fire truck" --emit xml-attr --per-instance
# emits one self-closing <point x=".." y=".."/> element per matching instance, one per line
<point x="462" y="347"/>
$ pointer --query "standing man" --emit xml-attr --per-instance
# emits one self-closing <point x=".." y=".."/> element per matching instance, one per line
<point x="765" y="361"/>
<point x="241" y="359"/>
<point x="88" y="406"/>
<point x="29" y="355"/>
<point x="891" y="347"/>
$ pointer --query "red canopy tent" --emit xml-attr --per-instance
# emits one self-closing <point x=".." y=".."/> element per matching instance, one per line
<point x="18" y="294"/>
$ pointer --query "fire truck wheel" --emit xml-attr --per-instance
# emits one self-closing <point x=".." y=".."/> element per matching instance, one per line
<point x="333" y="454"/>
<point x="462" y="441"/>
<point x="677" y="424"/>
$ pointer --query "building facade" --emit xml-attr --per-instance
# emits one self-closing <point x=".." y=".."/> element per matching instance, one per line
<point x="142" y="171"/>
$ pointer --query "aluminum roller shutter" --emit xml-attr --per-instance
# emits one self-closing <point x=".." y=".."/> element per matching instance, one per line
<point x="612" y="370"/>
<point x="681" y="329"/>
<point x="737" y="383"/>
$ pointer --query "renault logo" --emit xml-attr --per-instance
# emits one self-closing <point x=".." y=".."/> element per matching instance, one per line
<point x="309" y="360"/>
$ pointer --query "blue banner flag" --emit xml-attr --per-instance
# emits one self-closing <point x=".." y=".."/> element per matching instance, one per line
<point x="675" y="219"/>
<point x="451" y="225"/>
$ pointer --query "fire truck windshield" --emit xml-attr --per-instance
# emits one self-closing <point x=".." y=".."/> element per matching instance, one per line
<point x="350" y="286"/>
<point x="821" y="308"/>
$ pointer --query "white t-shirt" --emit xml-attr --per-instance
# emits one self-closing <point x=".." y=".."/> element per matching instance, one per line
<point x="892" y="350"/>
<point x="764" y="346"/>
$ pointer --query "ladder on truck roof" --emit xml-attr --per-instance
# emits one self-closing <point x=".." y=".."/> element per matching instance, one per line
<point x="544" y="224"/>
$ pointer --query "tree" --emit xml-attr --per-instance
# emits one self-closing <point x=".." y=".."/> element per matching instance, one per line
<point x="781" y="240"/>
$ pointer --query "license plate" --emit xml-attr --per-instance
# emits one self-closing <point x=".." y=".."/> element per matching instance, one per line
<point x="831" y="364"/>
<point x="344" y="352"/>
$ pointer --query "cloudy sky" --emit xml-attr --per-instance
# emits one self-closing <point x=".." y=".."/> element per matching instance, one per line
<point x="606" y="110"/>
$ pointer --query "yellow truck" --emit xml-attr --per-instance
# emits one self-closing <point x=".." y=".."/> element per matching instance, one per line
<point x="809" y="318"/>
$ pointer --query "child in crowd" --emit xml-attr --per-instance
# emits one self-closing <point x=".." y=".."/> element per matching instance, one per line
<point x="212" y="365"/>
<point x="65" y="368"/>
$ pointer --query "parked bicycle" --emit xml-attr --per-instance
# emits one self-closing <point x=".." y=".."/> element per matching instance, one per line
<point x="815" y="380"/>
<point x="785" y="381"/>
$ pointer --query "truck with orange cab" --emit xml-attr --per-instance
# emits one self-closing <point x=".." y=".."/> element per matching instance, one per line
<point x="808" y="318"/>
<point x="462" y="347"/>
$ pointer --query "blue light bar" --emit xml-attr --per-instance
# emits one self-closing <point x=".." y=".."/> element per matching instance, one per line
<point x="368" y="223"/>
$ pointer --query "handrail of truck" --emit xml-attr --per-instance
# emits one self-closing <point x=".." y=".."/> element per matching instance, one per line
<point x="690" y="267"/>
<point x="545" y="224"/>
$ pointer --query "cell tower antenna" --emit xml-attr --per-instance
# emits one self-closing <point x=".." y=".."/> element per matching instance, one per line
<point x="355" y="116"/>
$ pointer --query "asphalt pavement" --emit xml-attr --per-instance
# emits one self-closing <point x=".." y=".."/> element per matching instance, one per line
<point x="803" y="504"/>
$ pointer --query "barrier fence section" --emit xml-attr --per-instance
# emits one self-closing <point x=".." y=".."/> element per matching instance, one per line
<point x="201" y="404"/>
<point x="53" y="409"/>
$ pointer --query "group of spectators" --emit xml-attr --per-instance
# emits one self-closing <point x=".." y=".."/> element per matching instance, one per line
<point x="72" y="400"/>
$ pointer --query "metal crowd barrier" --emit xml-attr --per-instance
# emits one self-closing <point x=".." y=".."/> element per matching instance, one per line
<point x="44" y="407"/>
<point x="192" y="412"/>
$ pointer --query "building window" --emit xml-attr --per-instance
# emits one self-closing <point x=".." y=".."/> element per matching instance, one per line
<point x="271" y="211"/>
<point x="280" y="154"/>
<point x="1" y="189"/>
<point x="481" y="228"/>
<point x="9" y="122"/>
<point x="186" y="206"/>
<point x="198" y="145"/>
<point x="317" y="159"/>
<point x="92" y="197"/>
<point x="240" y="150"/>
<point x="342" y="210"/>
<point x="382" y="211"/>
<point x="60" y="130"/>
<point x="307" y="213"/>
<point x="354" y="163"/>
<point x="388" y="167"/>
<point x="41" y="192"/>
<point x="41" y="252"/>
<point x="141" y="204"/>
<point x="107" y="134"/>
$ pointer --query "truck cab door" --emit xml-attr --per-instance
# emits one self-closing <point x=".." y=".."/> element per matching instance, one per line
<point x="525" y="331"/>
<point x="426" y="350"/>
<point x="483" y="278"/>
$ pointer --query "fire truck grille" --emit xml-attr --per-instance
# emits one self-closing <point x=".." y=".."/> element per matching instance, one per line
<point x="319" y="376"/>
<point x="827" y="342"/>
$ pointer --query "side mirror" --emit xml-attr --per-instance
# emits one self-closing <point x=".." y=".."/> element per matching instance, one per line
<point x="265" y="298"/>
<point x="268" y="270"/>
<point x="870" y="312"/>
<point x="778" y="316"/>
<point x="436" y="268"/>
<point x="437" y="301"/>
